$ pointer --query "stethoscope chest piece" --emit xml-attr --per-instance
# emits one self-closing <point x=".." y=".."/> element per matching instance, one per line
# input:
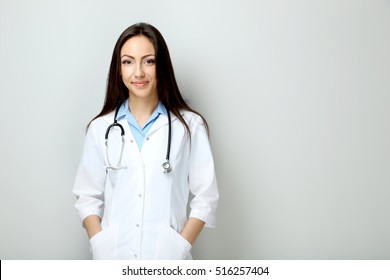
<point x="166" y="167"/>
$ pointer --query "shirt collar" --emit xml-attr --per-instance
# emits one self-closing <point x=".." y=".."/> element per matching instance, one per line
<point x="124" y="110"/>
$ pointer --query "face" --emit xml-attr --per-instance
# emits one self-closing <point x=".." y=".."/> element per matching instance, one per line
<point x="138" y="68"/>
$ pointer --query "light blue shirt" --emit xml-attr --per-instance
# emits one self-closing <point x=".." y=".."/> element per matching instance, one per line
<point x="139" y="133"/>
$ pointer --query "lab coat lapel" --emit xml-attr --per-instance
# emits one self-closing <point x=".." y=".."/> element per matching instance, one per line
<point x="161" y="121"/>
<point x="130" y="140"/>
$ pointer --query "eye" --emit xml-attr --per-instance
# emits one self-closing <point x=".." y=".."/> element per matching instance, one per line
<point x="150" y="61"/>
<point x="127" y="61"/>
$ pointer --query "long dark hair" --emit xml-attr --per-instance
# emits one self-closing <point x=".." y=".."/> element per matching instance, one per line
<point x="167" y="88"/>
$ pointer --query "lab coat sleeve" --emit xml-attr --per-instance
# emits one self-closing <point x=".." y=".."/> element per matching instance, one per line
<point x="90" y="178"/>
<point x="202" y="179"/>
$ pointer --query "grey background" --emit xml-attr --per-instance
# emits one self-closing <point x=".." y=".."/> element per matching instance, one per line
<point x="296" y="93"/>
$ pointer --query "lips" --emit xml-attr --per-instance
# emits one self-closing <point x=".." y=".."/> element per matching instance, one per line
<point x="140" y="83"/>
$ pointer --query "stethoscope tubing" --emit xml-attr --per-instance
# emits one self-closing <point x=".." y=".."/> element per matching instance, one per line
<point x="165" y="167"/>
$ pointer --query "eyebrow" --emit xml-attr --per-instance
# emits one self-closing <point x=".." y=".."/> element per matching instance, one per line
<point x="129" y="56"/>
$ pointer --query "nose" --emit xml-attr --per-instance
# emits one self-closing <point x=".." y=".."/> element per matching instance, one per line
<point x="139" y="71"/>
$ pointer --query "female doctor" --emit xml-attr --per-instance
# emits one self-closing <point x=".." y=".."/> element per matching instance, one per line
<point x="144" y="153"/>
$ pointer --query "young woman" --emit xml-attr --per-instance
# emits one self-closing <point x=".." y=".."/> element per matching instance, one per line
<point x="144" y="153"/>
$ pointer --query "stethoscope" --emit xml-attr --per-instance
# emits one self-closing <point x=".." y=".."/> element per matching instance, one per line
<point x="165" y="167"/>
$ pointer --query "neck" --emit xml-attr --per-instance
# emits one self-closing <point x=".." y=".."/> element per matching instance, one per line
<point x="142" y="108"/>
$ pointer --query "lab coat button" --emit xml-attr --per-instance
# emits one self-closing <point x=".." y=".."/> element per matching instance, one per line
<point x="137" y="225"/>
<point x="135" y="256"/>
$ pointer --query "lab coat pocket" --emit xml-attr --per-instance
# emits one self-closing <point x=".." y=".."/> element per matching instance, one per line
<point x="172" y="246"/>
<point x="104" y="243"/>
<point x="113" y="176"/>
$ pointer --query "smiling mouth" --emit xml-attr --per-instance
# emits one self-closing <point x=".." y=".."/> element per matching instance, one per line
<point x="140" y="84"/>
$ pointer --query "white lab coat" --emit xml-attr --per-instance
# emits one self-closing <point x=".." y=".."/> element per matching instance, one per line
<point x="143" y="210"/>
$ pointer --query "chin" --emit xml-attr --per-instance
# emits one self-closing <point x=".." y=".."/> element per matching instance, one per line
<point x="141" y="94"/>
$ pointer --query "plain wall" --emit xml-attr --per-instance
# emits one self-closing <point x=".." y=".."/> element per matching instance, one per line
<point x="297" y="95"/>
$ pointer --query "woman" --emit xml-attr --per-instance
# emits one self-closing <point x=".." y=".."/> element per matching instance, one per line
<point x="131" y="205"/>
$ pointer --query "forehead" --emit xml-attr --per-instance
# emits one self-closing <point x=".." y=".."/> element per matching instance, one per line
<point x="137" y="46"/>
